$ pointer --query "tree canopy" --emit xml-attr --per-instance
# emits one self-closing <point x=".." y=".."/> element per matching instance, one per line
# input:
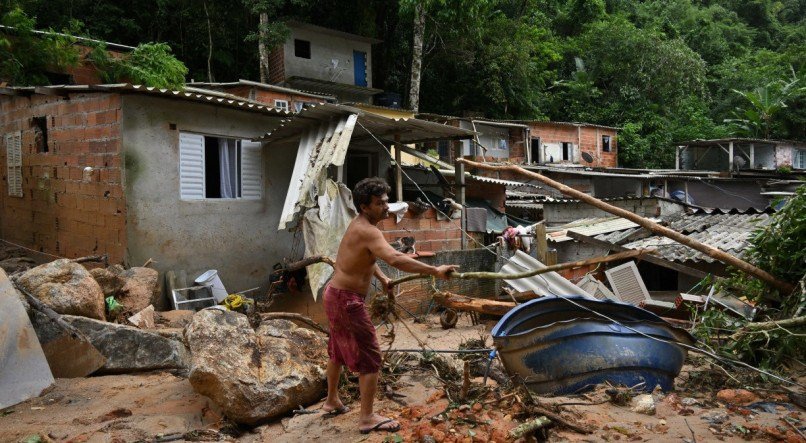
<point x="663" y="70"/>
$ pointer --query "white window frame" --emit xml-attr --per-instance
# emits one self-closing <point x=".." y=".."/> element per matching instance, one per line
<point x="192" y="168"/>
<point x="799" y="159"/>
<point x="281" y="104"/>
<point x="14" y="163"/>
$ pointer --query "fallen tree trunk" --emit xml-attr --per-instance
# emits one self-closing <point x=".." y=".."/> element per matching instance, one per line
<point x="641" y="221"/>
<point x="558" y="267"/>
<point x="481" y="305"/>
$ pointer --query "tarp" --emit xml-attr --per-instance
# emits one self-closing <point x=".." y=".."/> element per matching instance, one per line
<point x="323" y="228"/>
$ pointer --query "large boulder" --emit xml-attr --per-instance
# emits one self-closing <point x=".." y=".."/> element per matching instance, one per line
<point x="109" y="279"/>
<point x="67" y="287"/>
<point x="255" y="375"/>
<point x="127" y="349"/>
<point x="139" y="289"/>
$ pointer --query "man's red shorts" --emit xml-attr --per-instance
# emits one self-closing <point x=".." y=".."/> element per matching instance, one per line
<point x="353" y="342"/>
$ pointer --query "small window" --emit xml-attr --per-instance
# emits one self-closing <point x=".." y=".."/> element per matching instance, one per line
<point x="219" y="168"/>
<point x="302" y="48"/>
<point x="503" y="144"/>
<point x="443" y="148"/>
<point x="40" y="125"/>
<point x="605" y="143"/>
<point x="281" y="105"/>
<point x="567" y="150"/>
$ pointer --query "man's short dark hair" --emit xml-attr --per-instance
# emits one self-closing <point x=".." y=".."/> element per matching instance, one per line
<point x="366" y="188"/>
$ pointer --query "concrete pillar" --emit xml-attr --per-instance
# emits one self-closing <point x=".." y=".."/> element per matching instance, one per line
<point x="730" y="156"/>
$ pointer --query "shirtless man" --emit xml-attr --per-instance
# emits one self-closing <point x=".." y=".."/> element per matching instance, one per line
<point x="352" y="336"/>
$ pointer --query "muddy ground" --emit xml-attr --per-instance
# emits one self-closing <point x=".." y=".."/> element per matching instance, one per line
<point x="162" y="406"/>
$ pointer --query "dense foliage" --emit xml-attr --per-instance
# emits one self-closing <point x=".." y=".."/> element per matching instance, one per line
<point x="664" y="70"/>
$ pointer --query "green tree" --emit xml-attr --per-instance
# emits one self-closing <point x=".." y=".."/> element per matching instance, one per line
<point x="26" y="58"/>
<point x="758" y="118"/>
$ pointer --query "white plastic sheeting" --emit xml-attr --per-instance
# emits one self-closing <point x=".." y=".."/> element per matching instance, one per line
<point x="550" y="283"/>
<point x="323" y="227"/>
<point x="320" y="146"/>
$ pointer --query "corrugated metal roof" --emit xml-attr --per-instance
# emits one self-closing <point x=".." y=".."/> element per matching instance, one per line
<point x="483" y="179"/>
<point x="727" y="232"/>
<point x="190" y="94"/>
<point x="411" y="130"/>
<point x="266" y="86"/>
<point x="701" y="142"/>
<point x="590" y="227"/>
<point x="319" y="147"/>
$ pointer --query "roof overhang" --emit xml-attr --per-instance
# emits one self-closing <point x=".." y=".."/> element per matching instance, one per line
<point x="368" y="125"/>
<point x="717" y="141"/>
<point x="313" y="84"/>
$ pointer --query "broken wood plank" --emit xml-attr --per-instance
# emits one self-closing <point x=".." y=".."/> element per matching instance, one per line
<point x="655" y="260"/>
<point x="646" y="223"/>
<point x="633" y="253"/>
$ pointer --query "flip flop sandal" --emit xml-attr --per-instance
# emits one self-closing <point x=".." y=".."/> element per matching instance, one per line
<point x="337" y="411"/>
<point x="378" y="427"/>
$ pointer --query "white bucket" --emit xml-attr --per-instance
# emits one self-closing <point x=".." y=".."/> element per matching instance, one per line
<point x="211" y="280"/>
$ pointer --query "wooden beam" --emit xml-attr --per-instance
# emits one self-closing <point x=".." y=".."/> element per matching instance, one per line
<point x="722" y="256"/>
<point x="649" y="258"/>
<point x="398" y="170"/>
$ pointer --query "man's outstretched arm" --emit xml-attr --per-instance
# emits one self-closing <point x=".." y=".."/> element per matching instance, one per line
<point x="381" y="249"/>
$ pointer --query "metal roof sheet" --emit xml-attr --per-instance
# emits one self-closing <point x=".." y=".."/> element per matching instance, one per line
<point x="702" y="142"/>
<point x="727" y="232"/>
<point x="369" y="124"/>
<point x="590" y="227"/>
<point x="189" y="94"/>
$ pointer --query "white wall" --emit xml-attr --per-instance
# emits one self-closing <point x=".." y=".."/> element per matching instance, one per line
<point x="326" y="50"/>
<point x="239" y="238"/>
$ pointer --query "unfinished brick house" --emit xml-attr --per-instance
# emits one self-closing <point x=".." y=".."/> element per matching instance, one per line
<point x="496" y="140"/>
<point x="560" y="142"/>
<point x="139" y="173"/>
<point x="281" y="98"/>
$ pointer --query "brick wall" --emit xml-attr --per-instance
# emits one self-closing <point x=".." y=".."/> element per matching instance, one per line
<point x="277" y="65"/>
<point x="64" y="210"/>
<point x="588" y="139"/>
<point x="494" y="193"/>
<point x="429" y="233"/>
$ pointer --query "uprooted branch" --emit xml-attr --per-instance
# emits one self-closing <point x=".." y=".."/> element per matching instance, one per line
<point x="294" y="266"/>
<point x="797" y="322"/>
<point x="558" y="267"/>
<point x="645" y="223"/>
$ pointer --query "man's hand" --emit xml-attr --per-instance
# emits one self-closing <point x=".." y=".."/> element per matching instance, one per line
<point x="444" y="271"/>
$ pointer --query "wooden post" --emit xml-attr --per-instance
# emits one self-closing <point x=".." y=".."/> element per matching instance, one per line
<point x="752" y="156"/>
<point x="730" y="156"/>
<point x="648" y="224"/>
<point x="551" y="257"/>
<point x="540" y="238"/>
<point x="398" y="170"/>
<point x="459" y="181"/>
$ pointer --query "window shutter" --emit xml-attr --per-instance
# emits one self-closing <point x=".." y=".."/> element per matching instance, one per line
<point x="251" y="170"/>
<point x="191" y="166"/>
<point x="14" y="163"/>
<point x="627" y="283"/>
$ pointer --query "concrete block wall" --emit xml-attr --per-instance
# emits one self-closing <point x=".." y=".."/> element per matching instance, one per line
<point x="416" y="295"/>
<point x="430" y="234"/>
<point x="65" y="210"/>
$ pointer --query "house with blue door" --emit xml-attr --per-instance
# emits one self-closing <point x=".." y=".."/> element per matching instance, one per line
<point x="325" y="61"/>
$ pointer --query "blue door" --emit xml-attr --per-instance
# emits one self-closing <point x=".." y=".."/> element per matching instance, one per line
<point x="360" y="63"/>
